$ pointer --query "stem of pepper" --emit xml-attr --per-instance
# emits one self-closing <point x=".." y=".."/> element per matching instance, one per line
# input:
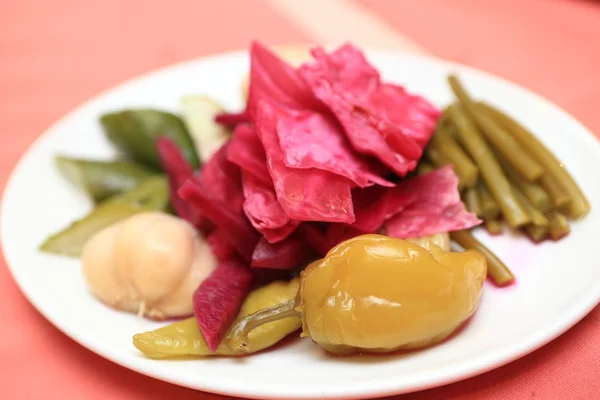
<point x="237" y="340"/>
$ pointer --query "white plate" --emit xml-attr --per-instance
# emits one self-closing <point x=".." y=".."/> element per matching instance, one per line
<point x="558" y="283"/>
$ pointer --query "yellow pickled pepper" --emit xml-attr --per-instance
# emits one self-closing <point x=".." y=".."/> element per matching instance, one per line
<point x="374" y="293"/>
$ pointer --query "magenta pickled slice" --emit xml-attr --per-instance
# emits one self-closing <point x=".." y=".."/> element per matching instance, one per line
<point x="218" y="299"/>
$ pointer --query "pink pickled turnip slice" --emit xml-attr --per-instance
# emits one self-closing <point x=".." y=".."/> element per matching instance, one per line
<point x="313" y="140"/>
<point x="218" y="299"/>
<point x="239" y="231"/>
<point x="438" y="207"/>
<point x="246" y="151"/>
<point x="304" y="194"/>
<point x="264" y="211"/>
<point x="219" y="244"/>
<point x="353" y="91"/>
<point x="231" y="120"/>
<point x="286" y="254"/>
<point x="178" y="171"/>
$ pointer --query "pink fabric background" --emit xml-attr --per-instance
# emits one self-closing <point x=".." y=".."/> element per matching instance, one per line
<point x="56" y="54"/>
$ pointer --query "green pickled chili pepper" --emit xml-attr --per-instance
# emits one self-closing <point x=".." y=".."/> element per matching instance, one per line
<point x="102" y="179"/>
<point x="150" y="195"/>
<point x="135" y="131"/>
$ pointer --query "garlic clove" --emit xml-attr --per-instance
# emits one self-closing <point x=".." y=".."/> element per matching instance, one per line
<point x="179" y="302"/>
<point x="160" y="250"/>
<point x="98" y="266"/>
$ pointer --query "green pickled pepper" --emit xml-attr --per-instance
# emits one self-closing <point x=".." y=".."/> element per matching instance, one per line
<point x="135" y="131"/>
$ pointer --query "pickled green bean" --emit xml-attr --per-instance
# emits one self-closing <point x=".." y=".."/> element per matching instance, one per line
<point x="424" y="167"/>
<point x="471" y="200"/>
<point x="537" y="233"/>
<point x="439" y="159"/>
<point x="464" y="168"/>
<point x="493" y="226"/>
<point x="496" y="269"/>
<point x="534" y="192"/>
<point x="559" y="226"/>
<point x="579" y="205"/>
<point x="497" y="135"/>
<point x="489" y="169"/>
<point x="487" y="203"/>
<point x="537" y="217"/>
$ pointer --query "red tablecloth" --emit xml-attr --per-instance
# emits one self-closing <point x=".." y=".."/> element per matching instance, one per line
<point x="55" y="54"/>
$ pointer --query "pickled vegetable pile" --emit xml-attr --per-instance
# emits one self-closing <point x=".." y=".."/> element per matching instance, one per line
<point x="328" y="171"/>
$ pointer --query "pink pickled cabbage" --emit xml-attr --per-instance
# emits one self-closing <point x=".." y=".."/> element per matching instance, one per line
<point x="246" y="151"/>
<point x="264" y="211"/>
<point x="272" y="77"/>
<point x="178" y="171"/>
<point x="286" y="254"/>
<point x="337" y="233"/>
<point x="275" y="90"/>
<point x="314" y="140"/>
<point x="222" y="180"/>
<point x="218" y="299"/>
<point x="234" y="224"/>
<point x="314" y="236"/>
<point x="437" y="209"/>
<point x="304" y="194"/>
<point x="352" y="90"/>
<point x="415" y="116"/>
<point x="375" y="205"/>
<point x="217" y="193"/>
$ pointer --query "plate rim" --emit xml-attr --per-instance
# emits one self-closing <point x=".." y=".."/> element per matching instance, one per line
<point x="541" y="338"/>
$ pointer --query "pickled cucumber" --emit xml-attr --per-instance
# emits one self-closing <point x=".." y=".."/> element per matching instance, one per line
<point x="150" y="195"/>
<point x="102" y="179"/>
